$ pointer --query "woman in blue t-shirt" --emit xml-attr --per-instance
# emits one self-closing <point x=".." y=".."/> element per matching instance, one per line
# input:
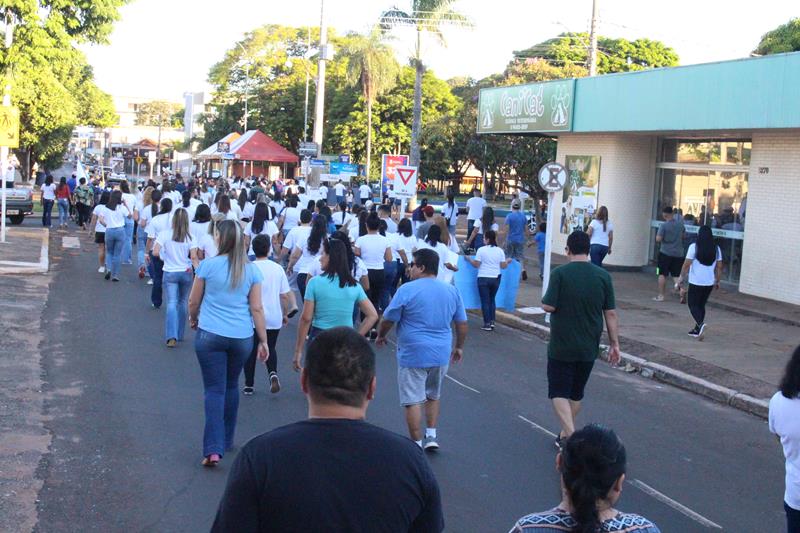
<point x="330" y="297"/>
<point x="224" y="307"/>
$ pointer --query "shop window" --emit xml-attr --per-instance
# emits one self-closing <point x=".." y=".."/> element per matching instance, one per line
<point x="723" y="152"/>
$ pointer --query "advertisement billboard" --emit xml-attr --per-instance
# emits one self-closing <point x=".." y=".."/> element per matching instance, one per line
<point x="388" y="165"/>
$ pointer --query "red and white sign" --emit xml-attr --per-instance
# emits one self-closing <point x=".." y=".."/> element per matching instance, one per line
<point x="405" y="182"/>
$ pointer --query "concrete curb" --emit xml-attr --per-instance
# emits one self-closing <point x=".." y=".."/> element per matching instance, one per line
<point x="648" y="369"/>
<point x="22" y="267"/>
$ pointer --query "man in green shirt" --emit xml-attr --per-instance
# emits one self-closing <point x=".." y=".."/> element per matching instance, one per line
<point x="579" y="297"/>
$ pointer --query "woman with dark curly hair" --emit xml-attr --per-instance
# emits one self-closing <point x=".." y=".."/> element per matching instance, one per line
<point x="784" y="421"/>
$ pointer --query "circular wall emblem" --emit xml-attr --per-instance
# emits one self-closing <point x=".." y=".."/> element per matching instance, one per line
<point x="552" y="177"/>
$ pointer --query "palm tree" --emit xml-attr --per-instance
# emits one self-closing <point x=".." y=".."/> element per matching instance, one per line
<point x="372" y="66"/>
<point x="425" y="16"/>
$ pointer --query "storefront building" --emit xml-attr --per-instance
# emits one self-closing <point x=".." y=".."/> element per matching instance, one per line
<point x="719" y="142"/>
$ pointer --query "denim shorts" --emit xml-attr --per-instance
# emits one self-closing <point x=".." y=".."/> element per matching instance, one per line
<point x="417" y="385"/>
<point x="515" y="250"/>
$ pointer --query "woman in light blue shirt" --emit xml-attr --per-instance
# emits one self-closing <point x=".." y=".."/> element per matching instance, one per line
<point x="224" y="307"/>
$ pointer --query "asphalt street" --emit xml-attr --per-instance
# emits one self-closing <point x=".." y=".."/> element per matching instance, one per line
<point x="126" y="416"/>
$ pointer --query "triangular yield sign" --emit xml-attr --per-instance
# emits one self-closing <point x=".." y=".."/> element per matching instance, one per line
<point x="405" y="174"/>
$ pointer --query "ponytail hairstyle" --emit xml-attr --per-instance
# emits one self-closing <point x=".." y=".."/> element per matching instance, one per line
<point x="705" y="249"/>
<point x="180" y="226"/>
<point x="382" y="227"/>
<point x="231" y="244"/>
<point x="224" y="205"/>
<point x="362" y="222"/>
<point x="440" y="221"/>
<point x="147" y="195"/>
<point x="259" y="218"/>
<point x="592" y="461"/>
<point x="338" y="263"/>
<point x="351" y="256"/>
<point x="602" y="215"/>
<point x="434" y="236"/>
<point x="487" y="219"/>
<point x="451" y="200"/>
<point x="242" y="198"/>
<point x="319" y="231"/>
<point x="155" y="198"/>
<point x="490" y="237"/>
<point x="166" y="206"/>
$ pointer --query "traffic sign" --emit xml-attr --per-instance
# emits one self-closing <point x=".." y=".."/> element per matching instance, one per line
<point x="344" y="158"/>
<point x="151" y="156"/>
<point x="308" y="149"/>
<point x="9" y="126"/>
<point x="139" y="160"/>
<point x="552" y="177"/>
<point x="223" y="147"/>
<point x="405" y="183"/>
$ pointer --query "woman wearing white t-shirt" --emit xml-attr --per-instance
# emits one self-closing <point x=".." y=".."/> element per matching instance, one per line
<point x="260" y="225"/>
<point x="306" y="251"/>
<point x="489" y="260"/>
<point x="200" y="224"/>
<point x="113" y="216"/>
<point x="486" y="222"/>
<point x="208" y="243"/>
<point x="99" y="231"/>
<point x="130" y="203"/>
<point x="177" y="249"/>
<point x="290" y="216"/>
<point x="448" y="260"/>
<point x="404" y="244"/>
<point x="144" y="211"/>
<point x="601" y="236"/>
<point x="704" y="265"/>
<point x="48" y="200"/>
<point x="374" y="249"/>
<point x="784" y="421"/>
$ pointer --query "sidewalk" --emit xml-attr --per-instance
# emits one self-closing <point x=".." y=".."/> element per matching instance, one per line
<point x="25" y="251"/>
<point x="746" y="348"/>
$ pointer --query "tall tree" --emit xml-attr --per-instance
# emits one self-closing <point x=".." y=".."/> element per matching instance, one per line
<point x="784" y="38"/>
<point x="160" y="113"/>
<point x="52" y="83"/>
<point x="371" y="65"/>
<point x="616" y="55"/>
<point x="429" y="17"/>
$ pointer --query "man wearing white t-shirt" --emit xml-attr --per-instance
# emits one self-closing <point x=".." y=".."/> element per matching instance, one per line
<point x="475" y="207"/>
<point x="364" y="193"/>
<point x="279" y="305"/>
<point x="296" y="237"/>
<point x="340" y="191"/>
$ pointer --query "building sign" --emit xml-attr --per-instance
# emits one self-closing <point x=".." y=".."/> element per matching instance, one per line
<point x="535" y="107"/>
<point x="580" y="192"/>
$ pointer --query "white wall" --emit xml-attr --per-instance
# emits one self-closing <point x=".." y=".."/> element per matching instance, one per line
<point x="771" y="256"/>
<point x="627" y="186"/>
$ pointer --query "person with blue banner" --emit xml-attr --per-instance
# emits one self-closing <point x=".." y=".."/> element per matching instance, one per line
<point x="490" y="260"/>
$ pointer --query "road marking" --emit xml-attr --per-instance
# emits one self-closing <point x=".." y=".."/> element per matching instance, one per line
<point x="537" y="426"/>
<point x="663" y="498"/>
<point x="70" y="242"/>
<point x="459" y="383"/>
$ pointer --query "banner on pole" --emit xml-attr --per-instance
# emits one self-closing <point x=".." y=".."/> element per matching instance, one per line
<point x="388" y="165"/>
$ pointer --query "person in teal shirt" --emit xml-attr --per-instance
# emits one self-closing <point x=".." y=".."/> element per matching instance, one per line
<point x="329" y="298"/>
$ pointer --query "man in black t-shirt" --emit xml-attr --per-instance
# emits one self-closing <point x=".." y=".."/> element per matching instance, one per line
<point x="333" y="472"/>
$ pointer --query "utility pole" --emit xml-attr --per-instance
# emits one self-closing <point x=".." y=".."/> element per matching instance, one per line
<point x="4" y="150"/>
<point x="246" y="94"/>
<point x="319" y="112"/>
<point x="308" y="79"/>
<point x="158" y="148"/>
<point x="593" y="40"/>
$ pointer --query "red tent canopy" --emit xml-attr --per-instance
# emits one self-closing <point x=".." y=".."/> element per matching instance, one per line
<point x="256" y="146"/>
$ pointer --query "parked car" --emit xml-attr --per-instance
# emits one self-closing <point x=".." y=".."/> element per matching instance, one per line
<point x="19" y="202"/>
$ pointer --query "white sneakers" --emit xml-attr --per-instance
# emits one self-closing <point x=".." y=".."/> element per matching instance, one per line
<point x="430" y="444"/>
<point x="101" y="270"/>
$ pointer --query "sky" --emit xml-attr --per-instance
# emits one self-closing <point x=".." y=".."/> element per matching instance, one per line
<point x="163" y="48"/>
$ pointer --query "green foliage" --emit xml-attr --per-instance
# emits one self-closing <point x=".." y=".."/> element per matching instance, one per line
<point x="52" y="83"/>
<point x="784" y="38"/>
<point x="615" y="55"/>
<point x="160" y="113"/>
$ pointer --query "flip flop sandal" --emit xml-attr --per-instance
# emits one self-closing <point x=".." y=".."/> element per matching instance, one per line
<point x="208" y="462"/>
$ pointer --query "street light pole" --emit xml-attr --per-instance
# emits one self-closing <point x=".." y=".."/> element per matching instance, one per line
<point x="308" y="79"/>
<point x="320" y="103"/>
<point x="593" y="40"/>
<point x="4" y="150"/>
<point x="246" y="95"/>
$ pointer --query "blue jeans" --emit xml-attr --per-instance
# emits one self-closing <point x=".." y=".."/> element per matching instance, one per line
<point x="390" y="282"/>
<point x="126" y="250"/>
<point x="597" y="252"/>
<point x="63" y="211"/>
<point x="221" y="360"/>
<point x="157" y="275"/>
<point x="47" y="213"/>
<point x="178" y="285"/>
<point x="141" y="243"/>
<point x="478" y="242"/>
<point x="487" y="288"/>
<point x="302" y="280"/>
<point x="115" y="238"/>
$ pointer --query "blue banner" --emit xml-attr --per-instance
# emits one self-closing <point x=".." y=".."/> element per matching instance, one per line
<point x="338" y="167"/>
<point x="466" y="281"/>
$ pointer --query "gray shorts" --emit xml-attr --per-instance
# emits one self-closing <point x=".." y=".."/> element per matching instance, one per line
<point x="515" y="250"/>
<point x="417" y="385"/>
